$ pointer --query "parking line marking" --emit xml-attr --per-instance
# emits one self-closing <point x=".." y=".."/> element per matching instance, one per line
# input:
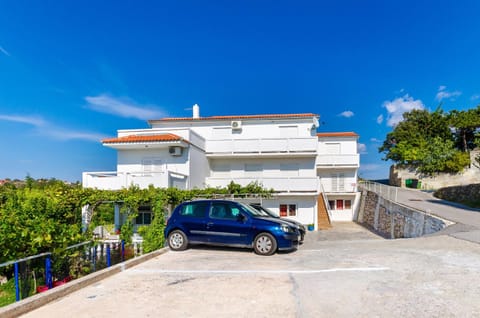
<point x="319" y="271"/>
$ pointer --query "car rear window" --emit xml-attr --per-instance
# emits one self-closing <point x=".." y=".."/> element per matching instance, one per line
<point x="194" y="209"/>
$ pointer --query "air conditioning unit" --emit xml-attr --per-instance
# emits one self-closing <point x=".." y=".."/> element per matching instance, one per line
<point x="175" y="151"/>
<point x="236" y="124"/>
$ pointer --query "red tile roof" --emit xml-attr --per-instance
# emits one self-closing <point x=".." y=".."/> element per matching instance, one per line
<point x="337" y="134"/>
<point x="236" y="117"/>
<point x="143" y="138"/>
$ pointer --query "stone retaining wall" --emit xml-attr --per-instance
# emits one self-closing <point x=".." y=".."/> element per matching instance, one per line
<point x="392" y="220"/>
<point x="466" y="193"/>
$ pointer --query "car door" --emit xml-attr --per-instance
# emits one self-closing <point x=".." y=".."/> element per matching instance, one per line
<point x="227" y="225"/>
<point x="193" y="221"/>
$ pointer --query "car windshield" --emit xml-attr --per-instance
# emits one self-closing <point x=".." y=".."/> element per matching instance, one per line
<point x="265" y="210"/>
<point x="255" y="212"/>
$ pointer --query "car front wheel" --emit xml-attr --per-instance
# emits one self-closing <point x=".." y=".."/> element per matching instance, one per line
<point x="265" y="244"/>
<point x="177" y="240"/>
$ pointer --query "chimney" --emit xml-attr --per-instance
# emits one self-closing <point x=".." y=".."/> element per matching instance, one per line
<point x="196" y="111"/>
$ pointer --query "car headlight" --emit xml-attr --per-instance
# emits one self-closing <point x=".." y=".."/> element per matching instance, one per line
<point x="287" y="229"/>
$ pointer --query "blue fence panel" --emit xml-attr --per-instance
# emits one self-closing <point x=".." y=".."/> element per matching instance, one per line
<point x="17" y="285"/>
<point x="44" y="271"/>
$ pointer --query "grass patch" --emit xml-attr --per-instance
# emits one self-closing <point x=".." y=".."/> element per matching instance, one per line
<point x="7" y="293"/>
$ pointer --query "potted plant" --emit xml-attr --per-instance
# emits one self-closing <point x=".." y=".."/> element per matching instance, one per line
<point x="311" y="227"/>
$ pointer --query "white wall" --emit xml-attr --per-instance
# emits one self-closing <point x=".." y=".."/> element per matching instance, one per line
<point x="199" y="169"/>
<point x="345" y="214"/>
<point x="348" y="145"/>
<point x="197" y="161"/>
<point x="270" y="167"/>
<point x="131" y="160"/>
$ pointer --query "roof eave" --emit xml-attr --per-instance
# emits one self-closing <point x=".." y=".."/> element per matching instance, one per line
<point x="233" y="117"/>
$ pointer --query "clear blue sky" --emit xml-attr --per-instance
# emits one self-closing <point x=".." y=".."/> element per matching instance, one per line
<point x="73" y="72"/>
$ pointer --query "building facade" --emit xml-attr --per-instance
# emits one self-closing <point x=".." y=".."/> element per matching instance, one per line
<point x="313" y="175"/>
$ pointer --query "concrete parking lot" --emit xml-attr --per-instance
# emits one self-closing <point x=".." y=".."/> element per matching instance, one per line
<point x="343" y="272"/>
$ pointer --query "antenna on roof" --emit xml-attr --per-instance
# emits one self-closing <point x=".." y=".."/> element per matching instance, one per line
<point x="196" y="111"/>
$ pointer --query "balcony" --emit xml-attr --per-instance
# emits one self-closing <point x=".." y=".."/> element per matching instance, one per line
<point x="342" y="161"/>
<point x="347" y="185"/>
<point x="281" y="184"/>
<point x="114" y="180"/>
<point x="262" y="146"/>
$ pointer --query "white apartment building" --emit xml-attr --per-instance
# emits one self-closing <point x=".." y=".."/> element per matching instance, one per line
<point x="313" y="174"/>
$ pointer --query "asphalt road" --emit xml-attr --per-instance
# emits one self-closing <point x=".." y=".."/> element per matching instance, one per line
<point x="467" y="219"/>
<point x="343" y="272"/>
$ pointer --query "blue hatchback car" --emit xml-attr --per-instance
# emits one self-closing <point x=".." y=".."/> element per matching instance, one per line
<point x="228" y="223"/>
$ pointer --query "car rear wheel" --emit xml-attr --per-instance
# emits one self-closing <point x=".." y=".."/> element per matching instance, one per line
<point x="177" y="240"/>
<point x="265" y="244"/>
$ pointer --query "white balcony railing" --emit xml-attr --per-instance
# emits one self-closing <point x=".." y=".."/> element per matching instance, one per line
<point x="352" y="160"/>
<point x="113" y="180"/>
<point x="283" y="184"/>
<point x="262" y="145"/>
<point x="346" y="186"/>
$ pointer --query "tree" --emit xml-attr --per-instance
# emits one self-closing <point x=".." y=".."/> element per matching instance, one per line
<point x="465" y="124"/>
<point x="425" y="140"/>
<point x="441" y="155"/>
<point x="409" y="139"/>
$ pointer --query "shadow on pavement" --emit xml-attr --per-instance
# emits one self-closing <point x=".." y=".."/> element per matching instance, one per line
<point x="453" y="204"/>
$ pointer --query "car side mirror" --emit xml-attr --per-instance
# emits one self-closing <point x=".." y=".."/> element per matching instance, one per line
<point x="241" y="218"/>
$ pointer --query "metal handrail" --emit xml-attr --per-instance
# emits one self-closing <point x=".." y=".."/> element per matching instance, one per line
<point x="24" y="259"/>
<point x="385" y="191"/>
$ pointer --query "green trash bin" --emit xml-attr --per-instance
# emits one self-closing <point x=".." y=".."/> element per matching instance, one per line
<point x="419" y="184"/>
<point x="414" y="184"/>
<point x="408" y="183"/>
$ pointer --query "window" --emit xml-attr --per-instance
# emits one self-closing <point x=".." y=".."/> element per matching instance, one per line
<point x="289" y="169"/>
<point x="338" y="182"/>
<point x="194" y="209"/>
<point x="253" y="170"/>
<point x="144" y="216"/>
<point x="221" y="170"/>
<point x="152" y="165"/>
<point x="177" y="181"/>
<point x="224" y="211"/>
<point x="331" y="204"/>
<point x="348" y="204"/>
<point x="340" y="204"/>
<point x="288" y="210"/>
